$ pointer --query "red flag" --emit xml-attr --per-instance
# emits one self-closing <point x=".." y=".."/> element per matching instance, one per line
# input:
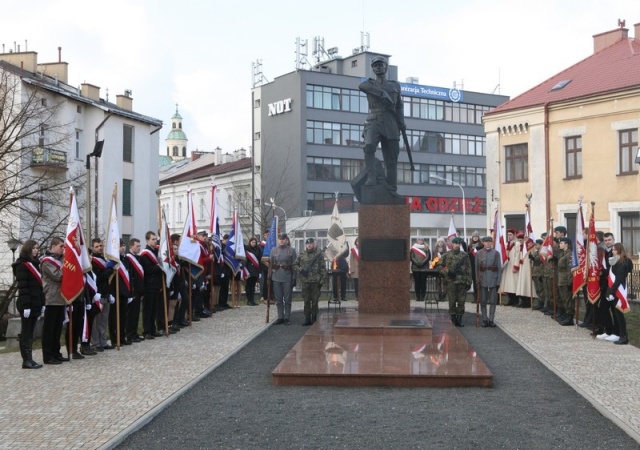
<point x="595" y="265"/>
<point x="76" y="256"/>
<point x="499" y="239"/>
<point x="453" y="233"/>
<point x="579" y="266"/>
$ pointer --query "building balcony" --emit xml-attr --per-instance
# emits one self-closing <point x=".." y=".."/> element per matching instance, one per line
<point x="49" y="158"/>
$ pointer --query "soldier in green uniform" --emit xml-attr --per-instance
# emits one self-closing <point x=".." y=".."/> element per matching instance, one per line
<point x="312" y="273"/>
<point x="548" y="274"/>
<point x="565" y="282"/>
<point x="537" y="274"/>
<point x="456" y="269"/>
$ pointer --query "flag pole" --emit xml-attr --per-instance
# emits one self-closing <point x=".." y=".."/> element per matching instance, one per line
<point x="593" y="305"/>
<point x="164" y="303"/>
<point x="553" y="279"/>
<point x="268" y="281"/>
<point x="190" y="293"/>
<point x="114" y="197"/>
<point x="70" y="327"/>
<point x="529" y="262"/>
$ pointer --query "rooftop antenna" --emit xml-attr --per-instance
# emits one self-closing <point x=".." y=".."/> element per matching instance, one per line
<point x="621" y="23"/>
<point x="496" y="90"/>
<point x="258" y="78"/>
<point x="302" y="51"/>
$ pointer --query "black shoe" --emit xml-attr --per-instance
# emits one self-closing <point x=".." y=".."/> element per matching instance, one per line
<point x="252" y="304"/>
<point x="157" y="334"/>
<point x="622" y="341"/>
<point x="227" y="306"/>
<point x="135" y="339"/>
<point x="86" y="351"/>
<point x="77" y="355"/>
<point x="220" y="308"/>
<point x="127" y="342"/>
<point x="195" y="319"/>
<point x="173" y="330"/>
<point x="141" y="338"/>
<point x="207" y="311"/>
<point x="53" y="362"/>
<point x="31" y="364"/>
<point x="278" y="321"/>
<point x="183" y="323"/>
<point x="491" y="324"/>
<point x="63" y="358"/>
<point x="149" y="336"/>
<point x="485" y="324"/>
<point x="287" y="322"/>
<point x="108" y="347"/>
<point x="97" y="349"/>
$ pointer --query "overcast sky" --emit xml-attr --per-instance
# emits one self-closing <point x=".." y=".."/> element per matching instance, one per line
<point x="199" y="53"/>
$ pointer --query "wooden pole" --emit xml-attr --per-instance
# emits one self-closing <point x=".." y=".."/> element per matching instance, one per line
<point x="190" y="294"/>
<point x="479" y="287"/>
<point x="118" y="308"/>
<point x="70" y="327"/>
<point x="268" y="281"/>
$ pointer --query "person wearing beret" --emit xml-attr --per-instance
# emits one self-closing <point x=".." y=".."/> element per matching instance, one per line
<point x="548" y="274"/>
<point x="456" y="270"/>
<point x="566" y="301"/>
<point x="311" y="271"/>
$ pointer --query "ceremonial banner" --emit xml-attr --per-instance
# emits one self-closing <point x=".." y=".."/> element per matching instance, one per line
<point x="214" y="227"/>
<point x="594" y="263"/>
<point x="453" y="233"/>
<point x="579" y="262"/>
<point x="189" y="249"/>
<point x="234" y="250"/>
<point x="165" y="253"/>
<point x="271" y="241"/>
<point x="499" y="244"/>
<point x="76" y="256"/>
<point x="112" y="244"/>
<point x="529" y="237"/>
<point x="335" y="235"/>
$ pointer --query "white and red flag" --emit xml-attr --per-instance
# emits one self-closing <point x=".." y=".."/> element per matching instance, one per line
<point x="529" y="236"/>
<point x="214" y="227"/>
<point x="190" y="249"/>
<point x="594" y="265"/>
<point x="453" y="233"/>
<point x="76" y="256"/>
<point x="620" y="294"/>
<point x="165" y="253"/>
<point x="112" y="244"/>
<point x="499" y="238"/>
<point x="579" y="260"/>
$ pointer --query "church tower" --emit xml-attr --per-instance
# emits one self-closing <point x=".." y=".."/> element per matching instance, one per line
<point x="177" y="139"/>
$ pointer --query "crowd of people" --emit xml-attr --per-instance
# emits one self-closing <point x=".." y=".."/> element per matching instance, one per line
<point x="536" y="272"/>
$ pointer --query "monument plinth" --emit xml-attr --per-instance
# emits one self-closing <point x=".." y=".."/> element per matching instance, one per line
<point x="384" y="259"/>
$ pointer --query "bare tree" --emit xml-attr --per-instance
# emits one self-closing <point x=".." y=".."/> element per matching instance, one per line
<point x="34" y="174"/>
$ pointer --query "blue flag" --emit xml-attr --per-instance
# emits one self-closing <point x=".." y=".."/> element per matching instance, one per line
<point x="271" y="241"/>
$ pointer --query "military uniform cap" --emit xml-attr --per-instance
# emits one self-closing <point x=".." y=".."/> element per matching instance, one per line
<point x="543" y="235"/>
<point x="457" y="240"/>
<point x="538" y="241"/>
<point x="565" y="239"/>
<point x="561" y="229"/>
<point x="310" y="240"/>
<point x="378" y="59"/>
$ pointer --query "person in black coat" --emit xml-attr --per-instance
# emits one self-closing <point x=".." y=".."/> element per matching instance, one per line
<point x="339" y="269"/>
<point x="254" y="255"/>
<point x="621" y="266"/>
<point x="30" y="301"/>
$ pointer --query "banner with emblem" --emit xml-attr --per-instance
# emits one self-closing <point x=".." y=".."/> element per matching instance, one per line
<point x="76" y="255"/>
<point x="335" y="235"/>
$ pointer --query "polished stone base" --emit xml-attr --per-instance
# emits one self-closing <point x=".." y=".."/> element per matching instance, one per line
<point x="334" y="353"/>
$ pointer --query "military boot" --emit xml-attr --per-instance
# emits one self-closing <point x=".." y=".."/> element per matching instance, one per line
<point x="568" y="321"/>
<point x="459" y="320"/>
<point x="307" y="320"/>
<point x="314" y="317"/>
<point x="27" y="356"/>
<point x="454" y="319"/>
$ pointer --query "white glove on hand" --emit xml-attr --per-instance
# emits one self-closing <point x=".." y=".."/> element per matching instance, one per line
<point x="194" y="286"/>
<point x="611" y="298"/>
<point x="88" y="307"/>
<point x="203" y="287"/>
<point x="26" y="313"/>
<point x="179" y="296"/>
<point x="42" y="312"/>
<point x="129" y="300"/>
<point x="97" y="297"/>
<point x="111" y="299"/>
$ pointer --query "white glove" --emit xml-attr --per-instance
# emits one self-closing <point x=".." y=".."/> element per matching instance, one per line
<point x="26" y="313"/>
<point x="88" y="307"/>
<point x="611" y="298"/>
<point x="97" y="297"/>
<point x="194" y="286"/>
<point x="179" y="296"/>
<point x="129" y="300"/>
<point x="42" y="312"/>
<point x="111" y="299"/>
<point x="203" y="287"/>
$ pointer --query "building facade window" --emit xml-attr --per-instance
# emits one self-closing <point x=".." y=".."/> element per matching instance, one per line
<point x="516" y="163"/>
<point x="127" y="143"/>
<point x="201" y="210"/>
<point x="41" y="136"/>
<point x="322" y="203"/>
<point x="175" y="151"/>
<point x="77" y="155"/>
<point x="573" y="153"/>
<point x="628" y="147"/>
<point x="431" y="109"/>
<point x="184" y="152"/>
<point x="325" y="169"/>
<point x="337" y="99"/>
<point x="331" y="133"/>
<point x="630" y="232"/>
<point x="127" y="197"/>
<point x="455" y="144"/>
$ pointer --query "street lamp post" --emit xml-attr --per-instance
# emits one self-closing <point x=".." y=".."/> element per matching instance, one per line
<point x="464" y="203"/>
<point x="13" y="244"/>
<point x="273" y="205"/>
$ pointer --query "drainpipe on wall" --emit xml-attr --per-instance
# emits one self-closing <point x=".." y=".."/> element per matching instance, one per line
<point x="547" y="164"/>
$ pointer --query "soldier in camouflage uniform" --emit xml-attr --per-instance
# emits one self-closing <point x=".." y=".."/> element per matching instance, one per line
<point x="456" y="269"/>
<point x="537" y="274"/>
<point x="312" y="273"/>
<point x="548" y="274"/>
<point x="565" y="283"/>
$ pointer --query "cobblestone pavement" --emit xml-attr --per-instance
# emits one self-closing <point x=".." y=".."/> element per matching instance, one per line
<point x="92" y="403"/>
